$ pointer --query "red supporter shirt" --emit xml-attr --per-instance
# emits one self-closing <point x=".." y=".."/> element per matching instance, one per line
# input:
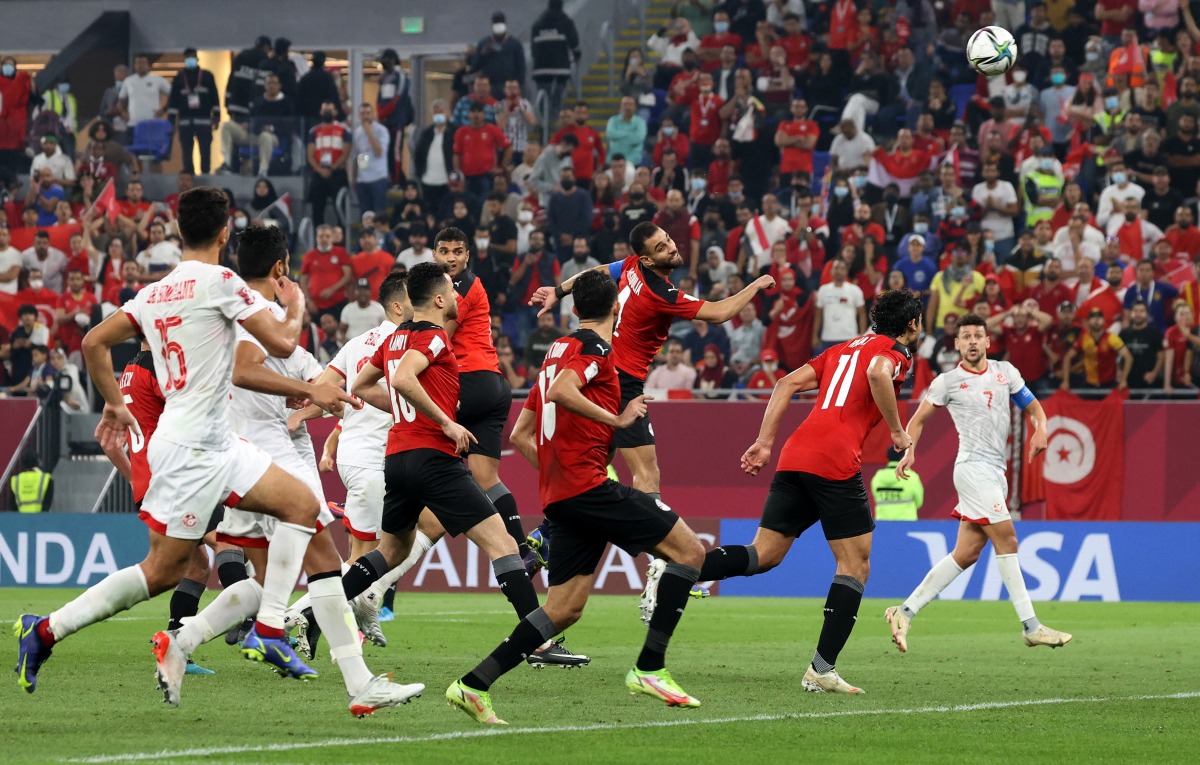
<point x="145" y="401"/>
<point x="573" y="450"/>
<point x="1025" y="350"/>
<point x="679" y="142"/>
<point x="1112" y="27"/>
<point x="1049" y="297"/>
<point x="477" y="147"/>
<point x="329" y="143"/>
<point x="829" y="442"/>
<point x="794" y="158"/>
<point x="324" y="269"/>
<point x="112" y="291"/>
<point x="413" y="430"/>
<point x="375" y="267"/>
<point x="473" y="338"/>
<point x="705" y="127"/>
<point x="70" y="334"/>
<point x="1175" y="343"/>
<point x="590" y="152"/>
<point x="764" y="381"/>
<point x="44" y="300"/>
<point x="1185" y="243"/>
<point x="132" y="209"/>
<point x="649" y="303"/>
<point x="799" y="50"/>
<point x="715" y="42"/>
<point x="843" y="24"/>
<point x="719" y="171"/>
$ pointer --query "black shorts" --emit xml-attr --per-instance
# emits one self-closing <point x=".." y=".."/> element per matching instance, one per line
<point x="421" y="478"/>
<point x="798" y="500"/>
<point x="640" y="433"/>
<point x="484" y="399"/>
<point x="581" y="527"/>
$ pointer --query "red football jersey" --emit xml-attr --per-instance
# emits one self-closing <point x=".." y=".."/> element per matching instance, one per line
<point x="413" y="430"/>
<point x="649" y="303"/>
<point x="573" y="450"/>
<point x="145" y="400"/>
<point x="473" y="339"/>
<point x="829" y="442"/>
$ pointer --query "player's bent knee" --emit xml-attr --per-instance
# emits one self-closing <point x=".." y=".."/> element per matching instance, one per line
<point x="691" y="554"/>
<point x="563" y="615"/>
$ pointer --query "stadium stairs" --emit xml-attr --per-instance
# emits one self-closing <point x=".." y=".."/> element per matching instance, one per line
<point x="602" y="103"/>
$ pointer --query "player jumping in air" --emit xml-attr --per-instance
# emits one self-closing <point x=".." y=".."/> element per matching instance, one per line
<point x="565" y="430"/>
<point x="196" y="462"/>
<point x="977" y="392"/>
<point x="819" y="474"/>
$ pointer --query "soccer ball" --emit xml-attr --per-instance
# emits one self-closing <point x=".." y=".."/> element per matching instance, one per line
<point x="992" y="51"/>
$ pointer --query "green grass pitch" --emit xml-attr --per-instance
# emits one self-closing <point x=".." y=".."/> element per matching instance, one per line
<point x="1126" y="690"/>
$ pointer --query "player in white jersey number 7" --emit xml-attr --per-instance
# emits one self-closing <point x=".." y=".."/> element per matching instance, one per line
<point x="196" y="462"/>
<point x="977" y="392"/>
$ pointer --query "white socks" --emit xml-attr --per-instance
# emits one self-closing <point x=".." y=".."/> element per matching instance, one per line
<point x="939" y="578"/>
<point x="337" y="624"/>
<point x="379" y="588"/>
<point x="285" y="558"/>
<point x="232" y="607"/>
<point x="124" y="589"/>
<point x="1014" y="582"/>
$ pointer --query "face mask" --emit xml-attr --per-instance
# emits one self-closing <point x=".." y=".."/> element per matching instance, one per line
<point x="1111" y="102"/>
<point x="1018" y="77"/>
<point x="736" y="195"/>
<point x="890" y="198"/>
<point x="1119" y="178"/>
<point x="720" y="27"/>
<point x="64" y="88"/>
<point x="1058" y="78"/>
<point x="1046" y="164"/>
<point x="580" y="257"/>
<point x="1091" y="56"/>
<point x="816" y="208"/>
<point x="920" y="227"/>
<point x="535" y="248"/>
<point x="8" y="70"/>
<point x="989" y="245"/>
<point x="499" y="29"/>
<point x="36" y="284"/>
<point x="567" y="184"/>
<point x="859" y="181"/>
<point x="958" y="212"/>
<point x="1130" y="217"/>
<point x="239" y="223"/>
<point x="481" y="243"/>
<point x="439" y="119"/>
<point x="1185" y="225"/>
<point x="841" y="192"/>
<point x="706" y="89"/>
<point x="327" y="118"/>
<point x="525" y="216"/>
<point x="191" y="62"/>
<point x="668" y="131"/>
<point x="699" y="184"/>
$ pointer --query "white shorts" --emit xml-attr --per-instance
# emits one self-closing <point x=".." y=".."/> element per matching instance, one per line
<point x="982" y="493"/>
<point x="246" y="529"/>
<point x="364" y="501"/>
<point x="186" y="484"/>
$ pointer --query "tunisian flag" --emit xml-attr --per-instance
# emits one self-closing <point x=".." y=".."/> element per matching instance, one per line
<point x="106" y="201"/>
<point x="1082" y="471"/>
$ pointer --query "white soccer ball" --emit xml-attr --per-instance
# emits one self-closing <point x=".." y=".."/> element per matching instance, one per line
<point x="992" y="51"/>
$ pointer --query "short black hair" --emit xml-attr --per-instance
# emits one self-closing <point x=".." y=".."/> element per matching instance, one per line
<point x="449" y="234"/>
<point x="424" y="281"/>
<point x="971" y="320"/>
<point x="595" y="293"/>
<point x="569" y="139"/>
<point x="259" y="249"/>
<point x="637" y="238"/>
<point x="497" y="196"/>
<point x="27" y="308"/>
<point x="42" y="234"/>
<point x="894" y="310"/>
<point x="394" y="282"/>
<point x="203" y="212"/>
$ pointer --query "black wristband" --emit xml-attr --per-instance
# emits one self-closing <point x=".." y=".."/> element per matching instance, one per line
<point x="560" y="293"/>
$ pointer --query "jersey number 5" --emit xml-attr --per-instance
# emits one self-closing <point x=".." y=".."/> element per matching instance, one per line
<point x="549" y="411"/>
<point x="843" y="378"/>
<point x="136" y="439"/>
<point x="172" y="349"/>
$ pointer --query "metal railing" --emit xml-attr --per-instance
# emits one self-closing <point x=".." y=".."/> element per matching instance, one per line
<point x="608" y="40"/>
<point x="116" y="496"/>
<point x="43" y="436"/>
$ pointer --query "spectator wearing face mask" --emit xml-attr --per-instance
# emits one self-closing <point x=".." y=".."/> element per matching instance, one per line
<point x="195" y="108"/>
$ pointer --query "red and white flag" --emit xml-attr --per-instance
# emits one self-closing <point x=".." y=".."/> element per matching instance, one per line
<point x="284" y="206"/>
<point x="1083" y="468"/>
<point x="106" y="201"/>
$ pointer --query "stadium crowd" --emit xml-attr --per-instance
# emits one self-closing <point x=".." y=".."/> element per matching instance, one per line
<point x="842" y="148"/>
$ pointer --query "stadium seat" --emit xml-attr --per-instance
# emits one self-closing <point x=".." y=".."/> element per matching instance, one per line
<point x="962" y="95"/>
<point x="152" y="140"/>
<point x="820" y="162"/>
<point x="679" y="395"/>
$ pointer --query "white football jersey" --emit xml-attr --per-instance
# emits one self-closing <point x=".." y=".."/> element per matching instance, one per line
<point x="261" y="418"/>
<point x="979" y="405"/>
<point x="188" y="318"/>
<point x="364" y="431"/>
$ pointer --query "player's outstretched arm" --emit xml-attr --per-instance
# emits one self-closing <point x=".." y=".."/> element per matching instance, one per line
<point x="880" y="375"/>
<point x="366" y="386"/>
<point x="546" y="297"/>
<point x="250" y="374"/>
<point x="759" y="454"/>
<point x="97" y="353"/>
<point x="524" y="437"/>
<point x="405" y="381"/>
<point x="311" y="412"/>
<point x="916" y="425"/>
<point x="279" y="337"/>
<point x="329" y="452"/>
<point x="724" y="310"/>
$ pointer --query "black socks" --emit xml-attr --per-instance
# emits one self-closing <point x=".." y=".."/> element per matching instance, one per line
<point x="534" y="629"/>
<point x="363" y="572"/>
<point x="231" y="567"/>
<point x="673" y="588"/>
<point x="727" y="561"/>
<point x="185" y="601"/>
<point x="841" y="611"/>
<point x="515" y="584"/>
<point x="506" y="505"/>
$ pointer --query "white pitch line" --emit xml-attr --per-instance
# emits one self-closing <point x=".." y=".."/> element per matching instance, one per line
<point x="506" y="731"/>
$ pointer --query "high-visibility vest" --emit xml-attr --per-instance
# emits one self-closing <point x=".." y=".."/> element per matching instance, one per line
<point x="30" y="489"/>
<point x="896" y="499"/>
<point x="1047" y="183"/>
